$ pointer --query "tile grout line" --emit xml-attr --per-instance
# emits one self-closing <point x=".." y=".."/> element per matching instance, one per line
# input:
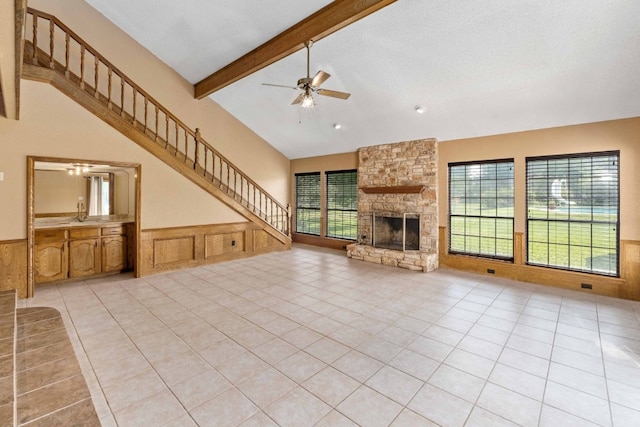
<point x="604" y="366"/>
<point x="15" y="360"/>
<point x="546" y="380"/>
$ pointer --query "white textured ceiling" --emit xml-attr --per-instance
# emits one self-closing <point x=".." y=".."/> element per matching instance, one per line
<point x="478" y="67"/>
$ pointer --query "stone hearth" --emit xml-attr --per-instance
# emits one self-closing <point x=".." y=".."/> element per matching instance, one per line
<point x="397" y="179"/>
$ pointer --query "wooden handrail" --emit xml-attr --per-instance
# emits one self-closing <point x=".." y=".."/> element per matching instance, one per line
<point x="173" y="135"/>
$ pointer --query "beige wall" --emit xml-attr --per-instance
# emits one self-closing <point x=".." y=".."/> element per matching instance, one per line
<point x="52" y="125"/>
<point x="623" y="135"/>
<point x="332" y="162"/>
<point x="124" y="192"/>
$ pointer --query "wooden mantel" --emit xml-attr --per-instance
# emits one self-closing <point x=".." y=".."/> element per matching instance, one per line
<point x="396" y="189"/>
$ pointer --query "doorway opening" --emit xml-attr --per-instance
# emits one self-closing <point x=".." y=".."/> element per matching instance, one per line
<point x="83" y="218"/>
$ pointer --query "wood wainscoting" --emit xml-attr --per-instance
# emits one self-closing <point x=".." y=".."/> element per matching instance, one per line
<point x="323" y="242"/>
<point x="13" y="266"/>
<point x="630" y="269"/>
<point x="183" y="247"/>
<point x="626" y="286"/>
<point x="161" y="250"/>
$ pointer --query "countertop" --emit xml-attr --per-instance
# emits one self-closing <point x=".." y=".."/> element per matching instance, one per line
<point x="91" y="221"/>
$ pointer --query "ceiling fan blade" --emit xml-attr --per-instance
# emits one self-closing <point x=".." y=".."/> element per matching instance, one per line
<point x="333" y="93"/>
<point x="319" y="78"/>
<point x="288" y="87"/>
<point x="298" y="99"/>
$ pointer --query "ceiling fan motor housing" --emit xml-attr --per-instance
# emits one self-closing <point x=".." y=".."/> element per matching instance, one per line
<point x="304" y="82"/>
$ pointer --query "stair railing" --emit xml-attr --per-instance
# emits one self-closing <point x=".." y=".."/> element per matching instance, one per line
<point x="50" y="43"/>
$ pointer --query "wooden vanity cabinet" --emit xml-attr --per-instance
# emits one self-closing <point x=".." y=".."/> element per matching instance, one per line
<point x="50" y="257"/>
<point x="78" y="252"/>
<point x="114" y="249"/>
<point x="84" y="252"/>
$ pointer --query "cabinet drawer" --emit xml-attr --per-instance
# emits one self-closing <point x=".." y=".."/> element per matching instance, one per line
<point x="83" y="233"/>
<point x="114" y="231"/>
<point x="50" y="235"/>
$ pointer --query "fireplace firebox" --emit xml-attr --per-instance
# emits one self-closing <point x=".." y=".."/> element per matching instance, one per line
<point x="400" y="232"/>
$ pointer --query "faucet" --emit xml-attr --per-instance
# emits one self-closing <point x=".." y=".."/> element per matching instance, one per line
<point x="82" y="215"/>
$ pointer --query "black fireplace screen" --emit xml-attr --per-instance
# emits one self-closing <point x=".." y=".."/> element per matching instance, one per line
<point x="401" y="232"/>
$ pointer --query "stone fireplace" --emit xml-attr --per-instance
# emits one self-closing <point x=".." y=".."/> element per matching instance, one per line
<point x="398" y="205"/>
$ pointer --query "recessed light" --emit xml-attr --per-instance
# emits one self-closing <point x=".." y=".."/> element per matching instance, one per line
<point x="337" y="126"/>
<point x="419" y="109"/>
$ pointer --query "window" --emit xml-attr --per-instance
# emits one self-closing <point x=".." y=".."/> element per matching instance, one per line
<point x="99" y="195"/>
<point x="308" y="203"/>
<point x="572" y="212"/>
<point x="342" y="204"/>
<point x="481" y="208"/>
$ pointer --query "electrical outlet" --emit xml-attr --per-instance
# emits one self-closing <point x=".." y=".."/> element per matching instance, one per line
<point x="491" y="271"/>
<point x="233" y="243"/>
<point x="586" y="286"/>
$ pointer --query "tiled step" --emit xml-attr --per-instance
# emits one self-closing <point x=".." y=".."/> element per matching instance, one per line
<point x="7" y="348"/>
<point x="50" y="387"/>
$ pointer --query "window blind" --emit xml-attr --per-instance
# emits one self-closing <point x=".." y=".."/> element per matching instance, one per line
<point x="342" y="204"/>
<point x="573" y="212"/>
<point x="308" y="203"/>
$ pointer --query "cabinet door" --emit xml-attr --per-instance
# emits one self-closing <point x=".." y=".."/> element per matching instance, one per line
<point x="114" y="253"/>
<point x="84" y="258"/>
<point x="51" y="261"/>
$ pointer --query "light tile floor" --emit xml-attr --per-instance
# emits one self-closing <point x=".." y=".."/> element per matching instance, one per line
<point x="309" y="337"/>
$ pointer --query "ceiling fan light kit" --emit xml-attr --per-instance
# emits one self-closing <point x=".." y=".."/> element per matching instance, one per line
<point x="309" y="86"/>
<point x="308" y="102"/>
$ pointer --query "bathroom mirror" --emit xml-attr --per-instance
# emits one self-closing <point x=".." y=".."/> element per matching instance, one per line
<point x="84" y="190"/>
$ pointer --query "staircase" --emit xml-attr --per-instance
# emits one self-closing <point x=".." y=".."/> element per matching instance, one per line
<point x="56" y="55"/>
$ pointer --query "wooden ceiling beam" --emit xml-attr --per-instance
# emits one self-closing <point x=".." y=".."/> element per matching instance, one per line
<point x="327" y="20"/>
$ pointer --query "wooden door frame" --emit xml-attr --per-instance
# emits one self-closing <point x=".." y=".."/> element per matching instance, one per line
<point x="31" y="160"/>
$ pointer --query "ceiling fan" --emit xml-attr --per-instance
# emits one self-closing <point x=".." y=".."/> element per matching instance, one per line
<point x="310" y="85"/>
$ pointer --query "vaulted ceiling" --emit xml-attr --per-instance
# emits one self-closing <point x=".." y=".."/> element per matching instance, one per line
<point x="478" y="68"/>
